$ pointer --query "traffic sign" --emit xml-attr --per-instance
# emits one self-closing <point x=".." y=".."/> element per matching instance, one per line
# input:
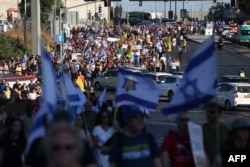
<point x="60" y="38"/>
<point x="183" y="13"/>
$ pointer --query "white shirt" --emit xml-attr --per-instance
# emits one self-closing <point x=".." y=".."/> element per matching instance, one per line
<point x="102" y="136"/>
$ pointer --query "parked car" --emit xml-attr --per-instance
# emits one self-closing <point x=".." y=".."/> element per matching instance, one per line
<point x="233" y="79"/>
<point x="231" y="95"/>
<point x="109" y="78"/>
<point x="170" y="85"/>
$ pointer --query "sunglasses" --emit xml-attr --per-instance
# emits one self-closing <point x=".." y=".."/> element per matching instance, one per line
<point x="65" y="147"/>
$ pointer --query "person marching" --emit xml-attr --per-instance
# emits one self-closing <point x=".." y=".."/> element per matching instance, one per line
<point x="242" y="73"/>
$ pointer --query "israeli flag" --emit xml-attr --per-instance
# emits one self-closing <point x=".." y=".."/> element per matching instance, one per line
<point x="25" y="59"/>
<point x="135" y="89"/>
<point x="88" y="52"/>
<point x="49" y="103"/>
<point x="199" y="82"/>
<point x="102" y="54"/>
<point x="72" y="97"/>
<point x="100" y="100"/>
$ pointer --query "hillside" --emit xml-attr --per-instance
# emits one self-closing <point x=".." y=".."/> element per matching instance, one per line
<point x="18" y="33"/>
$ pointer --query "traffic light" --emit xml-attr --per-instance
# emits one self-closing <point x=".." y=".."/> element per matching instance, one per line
<point x="100" y="9"/>
<point x="170" y="14"/>
<point x="107" y="3"/>
<point x="89" y="15"/>
<point x="140" y="2"/>
<point x="214" y="1"/>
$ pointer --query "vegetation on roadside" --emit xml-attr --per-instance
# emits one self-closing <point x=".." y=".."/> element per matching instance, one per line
<point x="12" y="43"/>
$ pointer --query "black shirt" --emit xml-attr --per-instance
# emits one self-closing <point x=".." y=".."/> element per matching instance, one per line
<point x="12" y="151"/>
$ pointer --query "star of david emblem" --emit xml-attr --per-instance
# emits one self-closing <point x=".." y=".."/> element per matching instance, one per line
<point x="129" y="84"/>
<point x="190" y="89"/>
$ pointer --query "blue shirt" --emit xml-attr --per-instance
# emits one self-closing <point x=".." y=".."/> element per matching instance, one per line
<point x="135" y="151"/>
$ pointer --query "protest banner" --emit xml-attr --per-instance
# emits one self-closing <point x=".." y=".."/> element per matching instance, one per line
<point x="196" y="139"/>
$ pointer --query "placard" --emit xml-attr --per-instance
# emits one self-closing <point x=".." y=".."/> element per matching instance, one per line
<point x="196" y="139"/>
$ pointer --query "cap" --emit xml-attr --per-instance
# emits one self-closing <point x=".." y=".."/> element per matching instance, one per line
<point x="130" y="111"/>
<point x="239" y="123"/>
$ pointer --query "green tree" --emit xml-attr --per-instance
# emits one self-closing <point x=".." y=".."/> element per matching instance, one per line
<point x="11" y="47"/>
<point x="216" y="11"/>
<point x="244" y="5"/>
<point x="46" y="8"/>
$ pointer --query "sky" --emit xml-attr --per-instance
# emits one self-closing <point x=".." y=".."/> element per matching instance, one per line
<point x="159" y="5"/>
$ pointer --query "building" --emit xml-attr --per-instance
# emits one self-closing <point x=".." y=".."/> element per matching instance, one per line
<point x="84" y="7"/>
<point x="7" y="4"/>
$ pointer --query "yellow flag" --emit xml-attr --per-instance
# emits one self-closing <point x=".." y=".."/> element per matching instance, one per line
<point x="129" y="54"/>
<point x="125" y="35"/>
<point x="48" y="48"/>
<point x="121" y="40"/>
<point x="170" y="47"/>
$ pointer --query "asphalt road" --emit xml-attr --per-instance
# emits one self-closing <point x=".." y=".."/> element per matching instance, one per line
<point x="229" y="61"/>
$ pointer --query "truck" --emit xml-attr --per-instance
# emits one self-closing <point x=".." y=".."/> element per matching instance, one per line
<point x="244" y="34"/>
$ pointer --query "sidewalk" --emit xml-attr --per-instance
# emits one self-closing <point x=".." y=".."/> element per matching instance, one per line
<point x="201" y="38"/>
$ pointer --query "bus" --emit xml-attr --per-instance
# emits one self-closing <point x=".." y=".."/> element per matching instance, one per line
<point x="244" y="34"/>
<point x="139" y="18"/>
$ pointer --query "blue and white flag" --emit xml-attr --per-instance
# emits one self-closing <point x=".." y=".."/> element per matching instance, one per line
<point x="135" y="89"/>
<point x="49" y="95"/>
<point x="72" y="97"/>
<point x="102" y="54"/>
<point x="100" y="100"/>
<point x="25" y="59"/>
<point x="199" y="81"/>
<point x="88" y="52"/>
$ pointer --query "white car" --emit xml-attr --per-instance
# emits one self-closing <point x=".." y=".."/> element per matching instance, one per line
<point x="231" y="95"/>
<point x="225" y="31"/>
<point x="160" y="78"/>
<point x="109" y="78"/>
<point x="170" y="85"/>
<point x="232" y="78"/>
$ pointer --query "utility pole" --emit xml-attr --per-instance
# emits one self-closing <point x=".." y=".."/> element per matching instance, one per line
<point x="65" y="10"/>
<point x="36" y="27"/>
<point x="165" y="8"/>
<point x="175" y="14"/>
<point x="183" y="11"/>
<point x="24" y="23"/>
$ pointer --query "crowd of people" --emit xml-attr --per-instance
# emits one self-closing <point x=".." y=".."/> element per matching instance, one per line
<point x="111" y="137"/>
<point x="116" y="138"/>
